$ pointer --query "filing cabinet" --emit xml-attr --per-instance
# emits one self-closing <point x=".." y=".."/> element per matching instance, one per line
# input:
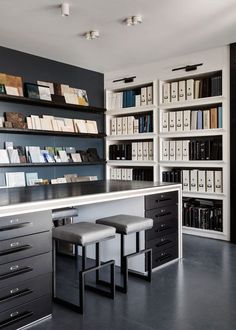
<point x="25" y="269"/>
<point x="163" y="236"/>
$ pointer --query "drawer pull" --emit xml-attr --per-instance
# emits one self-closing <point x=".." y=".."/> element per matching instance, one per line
<point x="15" y="249"/>
<point x="164" y="257"/>
<point x="15" y="293"/>
<point x="15" y="226"/>
<point x="14" y="271"/>
<point x="162" y="214"/>
<point x="164" y="242"/>
<point x="15" y="317"/>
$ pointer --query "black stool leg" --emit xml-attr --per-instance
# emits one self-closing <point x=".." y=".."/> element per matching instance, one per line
<point x="54" y="251"/>
<point x="84" y="256"/>
<point x="97" y="261"/>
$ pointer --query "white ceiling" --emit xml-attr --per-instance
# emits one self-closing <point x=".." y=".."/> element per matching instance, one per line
<point x="170" y="28"/>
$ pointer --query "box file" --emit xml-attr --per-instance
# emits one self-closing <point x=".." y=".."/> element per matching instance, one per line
<point x="143" y="96"/>
<point x="193" y="180"/>
<point x="190" y="89"/>
<point x="187" y="119"/>
<point x="118" y="174"/>
<point x="174" y="91"/>
<point x="129" y="174"/>
<point x="113" y="173"/>
<point x="137" y="100"/>
<point x="182" y="90"/>
<point x="186" y="150"/>
<point x="130" y="123"/>
<point x="135" y="126"/>
<point x="179" y="121"/>
<point x="172" y="123"/>
<point x="210" y="181"/>
<point x="113" y="126"/>
<point x="134" y="151"/>
<point x="124" y="125"/>
<point x="149" y="95"/>
<point x="145" y="151"/>
<point x="172" y="150"/>
<point x="201" y="181"/>
<point x="194" y="120"/>
<point x="123" y="174"/>
<point x="119" y="126"/>
<point x="185" y="179"/>
<point x="179" y="150"/>
<point x="165" y="122"/>
<point x="140" y="150"/>
<point x="165" y="150"/>
<point x="166" y="93"/>
<point x="150" y="150"/>
<point x="218" y="182"/>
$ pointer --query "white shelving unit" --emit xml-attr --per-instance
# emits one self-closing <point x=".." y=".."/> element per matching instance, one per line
<point x="132" y="111"/>
<point x="158" y="136"/>
<point x="196" y="104"/>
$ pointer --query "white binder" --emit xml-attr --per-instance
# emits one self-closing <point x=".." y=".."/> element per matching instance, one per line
<point x="165" y="122"/>
<point x="187" y="119"/>
<point x="166" y="93"/>
<point x="134" y="151"/>
<point x="172" y="121"/>
<point x="210" y="181"/>
<point x="150" y="150"/>
<point x="186" y="150"/>
<point x="123" y="174"/>
<point x="145" y="151"/>
<point x="118" y="174"/>
<point x="218" y="182"/>
<point x="179" y="150"/>
<point x="113" y="126"/>
<point x="185" y="178"/>
<point x="119" y="126"/>
<point x="179" y="121"/>
<point x="124" y="125"/>
<point x="172" y="150"/>
<point x="149" y="95"/>
<point x="182" y="90"/>
<point x="174" y="91"/>
<point x="193" y="180"/>
<point x="165" y="150"/>
<point x="201" y="181"/>
<point x="190" y="89"/>
<point x="140" y="150"/>
<point x="144" y="96"/>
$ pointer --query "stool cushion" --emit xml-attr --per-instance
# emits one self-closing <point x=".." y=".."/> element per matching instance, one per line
<point x="126" y="224"/>
<point x="83" y="233"/>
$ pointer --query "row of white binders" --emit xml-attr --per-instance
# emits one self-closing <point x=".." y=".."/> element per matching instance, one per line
<point x="121" y="174"/>
<point x="202" y="181"/>
<point x="175" y="150"/>
<point x="142" y="151"/>
<point x="124" y="125"/>
<point x="131" y="98"/>
<point x="191" y="120"/>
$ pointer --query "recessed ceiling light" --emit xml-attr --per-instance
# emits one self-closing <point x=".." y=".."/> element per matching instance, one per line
<point x="133" y="20"/>
<point x="65" y="9"/>
<point x="90" y="35"/>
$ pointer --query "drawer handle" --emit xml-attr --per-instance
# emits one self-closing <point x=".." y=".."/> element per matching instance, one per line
<point x="15" y="249"/>
<point x="164" y="257"/>
<point x="15" y="271"/>
<point x="164" y="242"/>
<point x="15" y="293"/>
<point x="162" y="214"/>
<point x="15" y="226"/>
<point x="15" y="317"/>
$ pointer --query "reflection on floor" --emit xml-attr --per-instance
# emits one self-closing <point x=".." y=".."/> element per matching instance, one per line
<point x="198" y="292"/>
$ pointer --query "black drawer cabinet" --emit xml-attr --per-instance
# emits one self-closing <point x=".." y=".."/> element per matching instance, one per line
<point x="22" y="292"/>
<point x="24" y="247"/>
<point x="25" y="268"/>
<point x="163" y="236"/>
<point x="24" y="314"/>
<point x="25" y="224"/>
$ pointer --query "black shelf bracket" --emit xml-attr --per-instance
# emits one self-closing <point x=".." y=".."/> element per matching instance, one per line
<point x="188" y="68"/>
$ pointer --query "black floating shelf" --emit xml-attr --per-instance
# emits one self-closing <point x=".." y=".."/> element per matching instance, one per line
<point x="50" y="104"/>
<point x="102" y="162"/>
<point x="53" y="133"/>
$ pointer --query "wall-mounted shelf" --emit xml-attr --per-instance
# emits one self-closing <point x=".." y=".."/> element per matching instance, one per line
<point x="193" y="103"/>
<point x="139" y="136"/>
<point x="50" y="104"/>
<point x="130" y="110"/>
<point x="193" y="133"/>
<point x="197" y="194"/>
<point x="102" y="162"/>
<point x="192" y="163"/>
<point x="53" y="133"/>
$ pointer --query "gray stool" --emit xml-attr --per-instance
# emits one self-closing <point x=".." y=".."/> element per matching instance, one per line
<point x="61" y="217"/>
<point x="84" y="234"/>
<point x="125" y="225"/>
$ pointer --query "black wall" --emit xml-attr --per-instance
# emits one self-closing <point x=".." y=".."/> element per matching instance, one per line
<point x="33" y="68"/>
<point x="233" y="140"/>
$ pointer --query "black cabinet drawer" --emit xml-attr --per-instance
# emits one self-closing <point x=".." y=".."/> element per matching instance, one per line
<point x="25" y="291"/>
<point x="24" y="247"/>
<point x="163" y="213"/>
<point x="162" y="227"/>
<point x="162" y="242"/>
<point x="25" y="224"/>
<point x="24" y="269"/>
<point x="161" y="200"/>
<point x="164" y="256"/>
<point x="24" y="314"/>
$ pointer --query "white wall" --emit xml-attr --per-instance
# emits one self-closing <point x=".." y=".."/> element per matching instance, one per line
<point x="212" y="59"/>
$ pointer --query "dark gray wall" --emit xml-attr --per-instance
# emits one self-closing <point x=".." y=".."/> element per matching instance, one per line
<point x="33" y="68"/>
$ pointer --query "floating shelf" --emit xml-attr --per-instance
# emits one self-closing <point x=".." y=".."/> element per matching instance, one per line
<point x="131" y="163"/>
<point x="204" y="233"/>
<point x="197" y="194"/>
<point x="139" y="136"/>
<point x="50" y="104"/>
<point x="193" y="103"/>
<point x="53" y="133"/>
<point x="102" y="162"/>
<point x="193" y="133"/>
<point x="192" y="163"/>
<point x="130" y="110"/>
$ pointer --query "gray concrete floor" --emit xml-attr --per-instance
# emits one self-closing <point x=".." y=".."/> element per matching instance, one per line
<point x="198" y="292"/>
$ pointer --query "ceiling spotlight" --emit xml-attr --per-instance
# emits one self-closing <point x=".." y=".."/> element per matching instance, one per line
<point x="133" y="20"/>
<point x="65" y="9"/>
<point x="90" y="35"/>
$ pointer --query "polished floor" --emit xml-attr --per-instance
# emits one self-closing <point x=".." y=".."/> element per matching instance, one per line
<point x="198" y="292"/>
